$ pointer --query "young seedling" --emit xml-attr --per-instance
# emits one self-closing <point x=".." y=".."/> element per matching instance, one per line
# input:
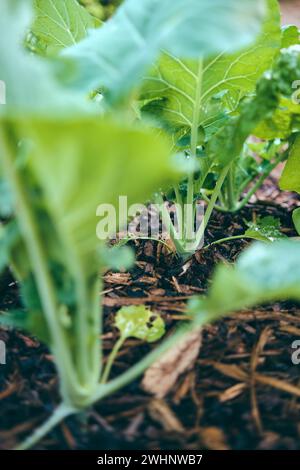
<point x="265" y="229"/>
<point x="134" y="322"/>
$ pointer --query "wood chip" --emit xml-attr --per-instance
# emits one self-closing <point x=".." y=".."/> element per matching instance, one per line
<point x="254" y="362"/>
<point x="213" y="438"/>
<point x="232" y="392"/>
<point x="162" y="413"/>
<point x="292" y="330"/>
<point x="279" y="384"/>
<point x="68" y="436"/>
<point x="120" y="301"/>
<point x="118" y="278"/>
<point x="237" y="373"/>
<point x="8" y="391"/>
<point x="164" y="373"/>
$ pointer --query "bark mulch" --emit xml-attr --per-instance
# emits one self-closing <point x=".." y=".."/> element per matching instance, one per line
<point x="242" y="393"/>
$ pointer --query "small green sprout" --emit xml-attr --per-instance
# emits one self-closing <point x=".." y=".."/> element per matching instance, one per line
<point x="135" y="322"/>
<point x="265" y="229"/>
<point x="139" y="322"/>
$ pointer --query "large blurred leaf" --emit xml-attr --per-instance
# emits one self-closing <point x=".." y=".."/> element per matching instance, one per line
<point x="290" y="179"/>
<point x="30" y="81"/>
<point x="263" y="273"/>
<point x="60" y="24"/>
<point x="30" y="321"/>
<point x="116" y="55"/>
<point x="182" y="90"/>
<point x="81" y="163"/>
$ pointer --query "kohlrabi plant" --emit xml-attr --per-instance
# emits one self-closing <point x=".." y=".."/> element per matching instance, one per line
<point x="196" y="90"/>
<point x="62" y="154"/>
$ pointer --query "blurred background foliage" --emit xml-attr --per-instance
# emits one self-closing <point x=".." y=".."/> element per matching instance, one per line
<point x="102" y="9"/>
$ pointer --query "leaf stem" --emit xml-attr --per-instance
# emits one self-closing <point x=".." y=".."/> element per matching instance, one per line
<point x="197" y="110"/>
<point x="194" y="144"/>
<point x="28" y="226"/>
<point x="59" y="415"/>
<point x="169" y="225"/>
<point x="230" y="193"/>
<point x="259" y="182"/>
<point x="210" y="207"/>
<point x="227" y="239"/>
<point x="217" y="206"/>
<point x="179" y="202"/>
<point x="137" y="369"/>
<point x="111" y="359"/>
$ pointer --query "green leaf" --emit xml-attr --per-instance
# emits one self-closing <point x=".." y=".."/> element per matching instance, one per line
<point x="266" y="229"/>
<point x="59" y="24"/>
<point x="228" y="142"/>
<point x="290" y="179"/>
<point x="263" y="273"/>
<point x="31" y="321"/>
<point x="139" y="322"/>
<point x="290" y="36"/>
<point x="6" y="200"/>
<point x="266" y="150"/>
<point x="9" y="237"/>
<point x="181" y="91"/>
<point x="81" y="163"/>
<point x="116" y="55"/>
<point x="31" y="85"/>
<point x="296" y="219"/>
<point x="281" y="124"/>
<point x="117" y="258"/>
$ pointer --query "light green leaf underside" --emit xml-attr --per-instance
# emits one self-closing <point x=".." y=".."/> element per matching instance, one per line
<point x="59" y="24"/>
<point x="290" y="179"/>
<point x="103" y="161"/>
<point x="118" y="54"/>
<point x="174" y="83"/>
<point x="30" y="81"/>
<point x="264" y="273"/>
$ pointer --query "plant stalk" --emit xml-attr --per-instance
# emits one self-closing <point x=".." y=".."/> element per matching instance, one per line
<point x="230" y="193"/>
<point x="29" y="228"/>
<point x="210" y="208"/>
<point x="62" y="412"/>
<point x="259" y="182"/>
<point x="111" y="359"/>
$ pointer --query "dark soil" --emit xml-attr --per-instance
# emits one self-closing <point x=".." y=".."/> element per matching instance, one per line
<point x="241" y="394"/>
